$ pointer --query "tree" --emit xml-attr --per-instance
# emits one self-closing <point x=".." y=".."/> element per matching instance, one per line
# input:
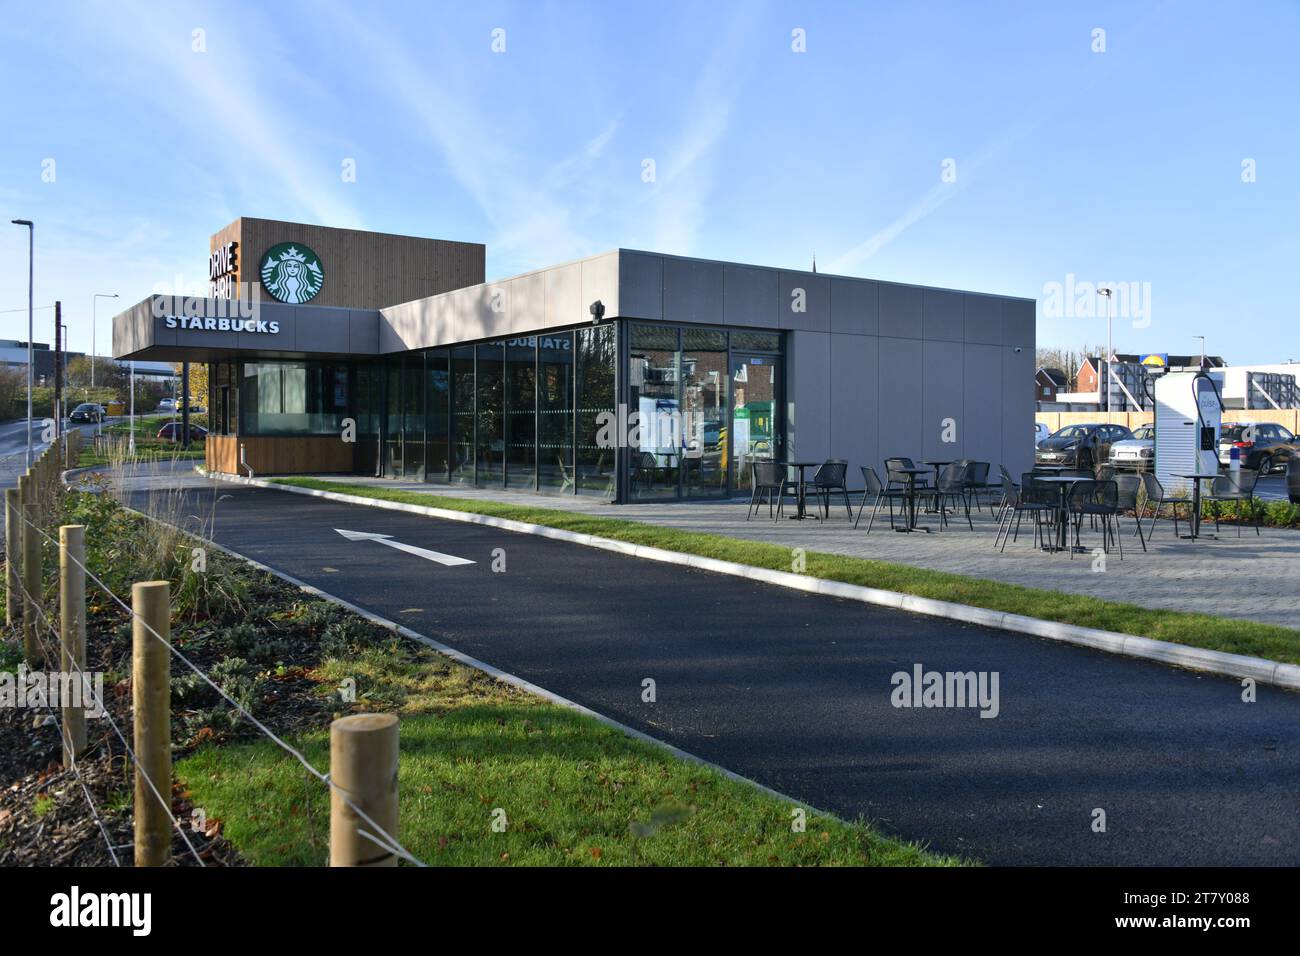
<point x="198" y="381"/>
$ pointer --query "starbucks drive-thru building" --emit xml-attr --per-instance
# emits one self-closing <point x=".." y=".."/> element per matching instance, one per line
<point x="627" y="376"/>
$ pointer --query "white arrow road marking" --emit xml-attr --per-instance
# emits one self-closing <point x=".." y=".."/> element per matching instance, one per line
<point x="450" y="560"/>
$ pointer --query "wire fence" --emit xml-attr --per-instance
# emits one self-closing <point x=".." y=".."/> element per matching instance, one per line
<point x="43" y="624"/>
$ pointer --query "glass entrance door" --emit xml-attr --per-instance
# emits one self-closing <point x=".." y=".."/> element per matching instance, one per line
<point x="755" y="404"/>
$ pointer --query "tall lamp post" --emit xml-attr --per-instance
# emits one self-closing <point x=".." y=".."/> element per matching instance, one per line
<point x="31" y="248"/>
<point x="94" y="325"/>
<point x="1202" y="338"/>
<point x="1110" y="351"/>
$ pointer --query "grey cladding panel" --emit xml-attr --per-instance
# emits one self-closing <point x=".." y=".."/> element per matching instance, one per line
<point x="750" y="296"/>
<point x="942" y="400"/>
<point x="900" y="311"/>
<point x="983" y="319"/>
<point x="855" y="306"/>
<point x="899" y="398"/>
<point x="941" y="316"/>
<point x="692" y="291"/>
<point x="813" y="294"/>
<point x="640" y="285"/>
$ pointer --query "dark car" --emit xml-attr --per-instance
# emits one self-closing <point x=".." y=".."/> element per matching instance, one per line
<point x="87" y="412"/>
<point x="173" y="431"/>
<point x="1264" y="446"/>
<point x="1080" y="446"/>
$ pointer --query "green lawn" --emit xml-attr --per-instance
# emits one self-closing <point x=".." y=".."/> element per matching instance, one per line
<point x="573" y="791"/>
<point x="1197" y="630"/>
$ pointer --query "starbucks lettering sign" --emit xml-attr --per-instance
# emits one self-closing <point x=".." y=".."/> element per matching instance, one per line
<point x="291" y="273"/>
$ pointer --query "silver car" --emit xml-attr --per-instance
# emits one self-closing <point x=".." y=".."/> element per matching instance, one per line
<point x="1137" y="453"/>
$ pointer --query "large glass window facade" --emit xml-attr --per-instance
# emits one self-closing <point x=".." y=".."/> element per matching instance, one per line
<point x="620" y="411"/>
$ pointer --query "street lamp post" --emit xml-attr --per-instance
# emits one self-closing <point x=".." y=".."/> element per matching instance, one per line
<point x="31" y="248"/>
<point x="1202" y="338"/>
<point x="94" y="325"/>
<point x="1110" y="351"/>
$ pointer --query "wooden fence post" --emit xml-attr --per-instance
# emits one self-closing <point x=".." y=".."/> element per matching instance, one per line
<point x="13" y="544"/>
<point x="363" y="769"/>
<point x="72" y="635"/>
<point x="151" y="697"/>
<point x="31" y="571"/>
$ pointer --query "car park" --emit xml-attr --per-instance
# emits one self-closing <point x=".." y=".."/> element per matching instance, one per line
<point x="173" y="431"/>
<point x="88" y="412"/>
<point x="1262" y="446"/>
<point x="1080" y="446"/>
<point x="1137" y="453"/>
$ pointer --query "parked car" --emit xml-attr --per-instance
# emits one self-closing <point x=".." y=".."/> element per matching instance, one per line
<point x="1041" y="431"/>
<point x="1293" y="481"/>
<point x="167" y="405"/>
<point x="173" y="431"/>
<point x="1137" y="453"/>
<point x="88" y="412"/>
<point x="1080" y="446"/>
<point x="1265" y="446"/>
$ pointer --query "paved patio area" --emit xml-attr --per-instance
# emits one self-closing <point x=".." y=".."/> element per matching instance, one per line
<point x="1248" y="577"/>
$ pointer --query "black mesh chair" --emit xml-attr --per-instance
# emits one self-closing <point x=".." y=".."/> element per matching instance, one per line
<point x="976" y="480"/>
<point x="1128" y="487"/>
<point x="895" y="477"/>
<point x="1097" y="500"/>
<point x="1039" y="501"/>
<point x="770" y="482"/>
<point x="829" y="479"/>
<point x="952" y="486"/>
<point x="1155" y="500"/>
<point x="1005" y="479"/>
<point x="877" y="491"/>
<point x="1105" y="472"/>
<point x="1235" y="486"/>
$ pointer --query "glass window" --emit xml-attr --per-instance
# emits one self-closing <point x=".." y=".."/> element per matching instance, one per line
<point x="655" y="456"/>
<point x="438" y="394"/>
<point x="413" y="415"/>
<point x="293" y="398"/>
<point x="756" y="341"/>
<point x="489" y="432"/>
<point x="704" y="412"/>
<point x="393" y="419"/>
<point x="521" y="413"/>
<point x="366" y="453"/>
<point x="555" y="412"/>
<point x="596" y="460"/>
<point x="462" y="414"/>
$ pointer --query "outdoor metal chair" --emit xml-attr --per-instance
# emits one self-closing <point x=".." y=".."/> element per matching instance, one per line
<point x="952" y="485"/>
<point x="1019" y="501"/>
<point x="976" y="479"/>
<point x="770" y="480"/>
<point x="1129" y="486"/>
<point x="897" y="479"/>
<point x="874" y="489"/>
<point x="1096" y="500"/>
<point x="1155" y="499"/>
<point x="830" y="478"/>
<point x="1105" y="472"/>
<point x="1235" y="486"/>
<point x="1005" y="480"/>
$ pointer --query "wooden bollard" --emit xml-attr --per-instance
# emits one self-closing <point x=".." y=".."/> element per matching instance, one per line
<point x="72" y="635"/>
<point x="31" y="575"/>
<point x="13" y="545"/>
<point x="151" y="697"/>
<point x="363" y="766"/>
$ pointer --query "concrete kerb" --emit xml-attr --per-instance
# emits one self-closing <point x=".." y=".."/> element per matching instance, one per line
<point x="1164" y="652"/>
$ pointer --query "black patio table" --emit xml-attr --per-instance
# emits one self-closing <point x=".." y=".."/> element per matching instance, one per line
<point x="1195" y="521"/>
<point x="910" y="524"/>
<point x="1062" y="513"/>
<point x="802" y="497"/>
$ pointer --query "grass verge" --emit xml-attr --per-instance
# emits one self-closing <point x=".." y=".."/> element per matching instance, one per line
<point x="1196" y="630"/>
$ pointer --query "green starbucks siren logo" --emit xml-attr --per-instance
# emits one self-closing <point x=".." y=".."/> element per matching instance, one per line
<point x="291" y="273"/>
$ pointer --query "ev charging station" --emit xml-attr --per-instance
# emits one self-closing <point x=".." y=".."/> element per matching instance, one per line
<point x="1189" y="410"/>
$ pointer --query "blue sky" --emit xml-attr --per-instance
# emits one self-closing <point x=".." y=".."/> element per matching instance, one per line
<point x="1122" y="166"/>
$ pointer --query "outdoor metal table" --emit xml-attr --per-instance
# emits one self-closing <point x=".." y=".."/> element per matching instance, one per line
<point x="909" y="523"/>
<point x="1195" y="520"/>
<point x="802" y="497"/>
<point x="1062" y="512"/>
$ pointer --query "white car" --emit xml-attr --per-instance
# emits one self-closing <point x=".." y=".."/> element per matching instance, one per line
<point x="1041" y="431"/>
<point x="1137" y="453"/>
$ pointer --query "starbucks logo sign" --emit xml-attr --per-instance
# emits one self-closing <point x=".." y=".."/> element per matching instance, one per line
<point x="291" y="273"/>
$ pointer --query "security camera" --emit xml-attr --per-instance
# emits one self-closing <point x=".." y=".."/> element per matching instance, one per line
<point x="597" y="310"/>
<point x="1019" y="349"/>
